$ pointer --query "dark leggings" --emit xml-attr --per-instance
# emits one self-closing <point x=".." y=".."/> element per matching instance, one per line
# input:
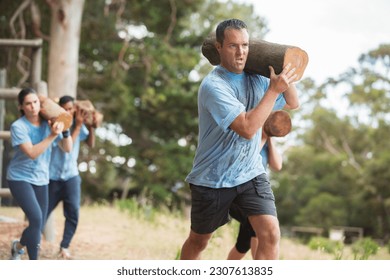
<point x="34" y="202"/>
<point x="69" y="193"/>
<point x="244" y="237"/>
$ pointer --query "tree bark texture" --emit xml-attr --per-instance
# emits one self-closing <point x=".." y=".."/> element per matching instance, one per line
<point x="65" y="31"/>
<point x="54" y="112"/>
<point x="263" y="54"/>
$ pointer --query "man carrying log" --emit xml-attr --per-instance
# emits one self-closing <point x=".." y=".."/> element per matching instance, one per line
<point x="65" y="181"/>
<point x="233" y="106"/>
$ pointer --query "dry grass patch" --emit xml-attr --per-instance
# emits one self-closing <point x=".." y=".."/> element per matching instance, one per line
<point x="107" y="233"/>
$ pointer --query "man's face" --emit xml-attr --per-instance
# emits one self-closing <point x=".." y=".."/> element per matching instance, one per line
<point x="69" y="107"/>
<point x="234" y="51"/>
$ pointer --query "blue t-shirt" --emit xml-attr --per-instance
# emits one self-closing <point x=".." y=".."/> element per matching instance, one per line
<point x="264" y="155"/>
<point x="224" y="159"/>
<point x="21" y="167"/>
<point x="64" y="166"/>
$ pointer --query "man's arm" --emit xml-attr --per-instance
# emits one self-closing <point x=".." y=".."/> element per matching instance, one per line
<point x="248" y="123"/>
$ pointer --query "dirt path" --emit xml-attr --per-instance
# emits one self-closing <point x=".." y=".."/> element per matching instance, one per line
<point x="96" y="238"/>
<point x="104" y="233"/>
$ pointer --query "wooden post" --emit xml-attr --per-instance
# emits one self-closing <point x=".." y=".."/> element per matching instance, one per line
<point x="5" y="135"/>
<point x="9" y="93"/>
<point x="2" y="113"/>
<point x="263" y="54"/>
<point x="36" y="66"/>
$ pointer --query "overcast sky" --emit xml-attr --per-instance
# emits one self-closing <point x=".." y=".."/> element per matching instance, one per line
<point x="334" y="33"/>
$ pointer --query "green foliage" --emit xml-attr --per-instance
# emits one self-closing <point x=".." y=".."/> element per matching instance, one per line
<point x="364" y="248"/>
<point x="337" y="173"/>
<point x="136" y="209"/>
<point x="178" y="254"/>
<point x="323" y="210"/>
<point x="326" y="245"/>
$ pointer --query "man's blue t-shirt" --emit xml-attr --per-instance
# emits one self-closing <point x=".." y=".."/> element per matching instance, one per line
<point x="21" y="167"/>
<point x="64" y="166"/>
<point x="264" y="155"/>
<point x="224" y="159"/>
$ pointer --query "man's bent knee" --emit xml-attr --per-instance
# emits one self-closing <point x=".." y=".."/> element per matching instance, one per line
<point x="266" y="227"/>
<point x="199" y="241"/>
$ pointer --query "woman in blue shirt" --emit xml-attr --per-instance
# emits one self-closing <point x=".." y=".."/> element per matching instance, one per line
<point x="28" y="170"/>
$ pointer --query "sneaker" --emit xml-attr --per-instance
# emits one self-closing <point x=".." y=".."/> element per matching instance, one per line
<point x="65" y="254"/>
<point x="15" y="253"/>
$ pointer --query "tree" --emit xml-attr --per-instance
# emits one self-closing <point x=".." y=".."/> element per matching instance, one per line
<point x="65" y="28"/>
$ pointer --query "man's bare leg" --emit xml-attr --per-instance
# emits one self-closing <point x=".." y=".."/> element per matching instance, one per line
<point x="254" y="245"/>
<point x="235" y="255"/>
<point x="268" y="234"/>
<point x="194" y="246"/>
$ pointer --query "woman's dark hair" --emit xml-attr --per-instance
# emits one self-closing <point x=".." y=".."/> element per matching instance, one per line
<point x="22" y="94"/>
<point x="228" y="24"/>
<point x="65" y="99"/>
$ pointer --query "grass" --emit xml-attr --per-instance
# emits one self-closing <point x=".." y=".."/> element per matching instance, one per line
<point x="107" y="233"/>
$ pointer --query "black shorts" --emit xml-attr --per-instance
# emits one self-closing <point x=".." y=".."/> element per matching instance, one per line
<point x="210" y="207"/>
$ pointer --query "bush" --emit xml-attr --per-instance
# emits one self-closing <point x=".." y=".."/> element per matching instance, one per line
<point x="327" y="245"/>
<point x="364" y="248"/>
<point x="136" y="209"/>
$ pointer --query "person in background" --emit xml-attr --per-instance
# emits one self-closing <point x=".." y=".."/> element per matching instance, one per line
<point x="65" y="181"/>
<point x="246" y="238"/>
<point x="32" y="138"/>
<point x="233" y="106"/>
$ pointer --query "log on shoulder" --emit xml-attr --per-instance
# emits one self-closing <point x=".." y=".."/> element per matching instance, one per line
<point x="278" y="124"/>
<point x="50" y="110"/>
<point x="261" y="55"/>
<point x="93" y="117"/>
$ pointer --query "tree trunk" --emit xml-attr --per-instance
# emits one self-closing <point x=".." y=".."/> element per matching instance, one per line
<point x="64" y="47"/>
<point x="261" y="55"/>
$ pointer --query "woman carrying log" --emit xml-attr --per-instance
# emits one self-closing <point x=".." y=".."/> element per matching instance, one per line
<point x="28" y="171"/>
